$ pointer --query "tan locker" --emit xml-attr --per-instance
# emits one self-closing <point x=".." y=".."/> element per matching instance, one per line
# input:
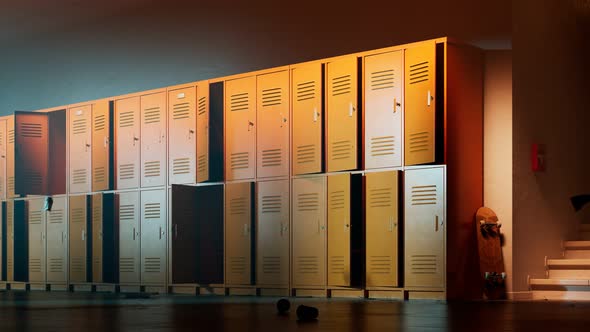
<point x="80" y="137"/>
<point x="272" y="248"/>
<point x="272" y="104"/>
<point x="153" y="237"/>
<point x="341" y="109"/>
<point x="101" y="124"/>
<point x="383" y="111"/>
<point x="309" y="232"/>
<point x="57" y="248"/>
<point x="424" y="211"/>
<point x="3" y="139"/>
<point x="127" y="142"/>
<point x="307" y="119"/>
<point x="97" y="238"/>
<point x="10" y="158"/>
<point x="153" y="140"/>
<point x="182" y="134"/>
<point x="240" y="131"/>
<point x="37" y="244"/>
<point x="420" y="112"/>
<point x="381" y="229"/>
<point x="2" y="242"/>
<point x="238" y="235"/>
<point x="78" y="238"/>
<point x="129" y="244"/>
<point x="9" y="240"/>
<point x="339" y="222"/>
<point x="203" y="111"/>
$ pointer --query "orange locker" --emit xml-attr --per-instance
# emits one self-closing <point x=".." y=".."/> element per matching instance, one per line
<point x="339" y="227"/>
<point x="3" y="139"/>
<point x="153" y="237"/>
<point x="203" y="130"/>
<point x="101" y="146"/>
<point x="2" y="241"/>
<point x="10" y="158"/>
<point x="153" y="140"/>
<point x="57" y="242"/>
<point x="272" y="104"/>
<point x="182" y="133"/>
<point x="238" y="233"/>
<point x="383" y="110"/>
<point x="341" y="109"/>
<point x="78" y="239"/>
<point x="420" y="112"/>
<point x="80" y="137"/>
<point x="240" y="130"/>
<point x="129" y="241"/>
<point x="127" y="146"/>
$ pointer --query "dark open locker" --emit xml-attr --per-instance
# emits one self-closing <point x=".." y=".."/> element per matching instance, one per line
<point x="21" y="242"/>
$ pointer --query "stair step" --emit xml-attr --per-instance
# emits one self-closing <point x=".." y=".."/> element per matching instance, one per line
<point x="561" y="295"/>
<point x="569" y="274"/>
<point x="577" y="254"/>
<point x="560" y="282"/>
<point x="572" y="264"/>
<point x="576" y="245"/>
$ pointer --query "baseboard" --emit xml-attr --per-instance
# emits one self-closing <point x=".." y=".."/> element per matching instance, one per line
<point x="520" y="296"/>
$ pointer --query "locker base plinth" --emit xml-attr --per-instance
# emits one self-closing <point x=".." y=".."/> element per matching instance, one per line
<point x="154" y="289"/>
<point x="304" y="292"/>
<point x="273" y="291"/>
<point x="105" y="288"/>
<point x="3" y="286"/>
<point x="59" y="287"/>
<point x="129" y="288"/>
<point x="346" y="293"/>
<point x="426" y="295"/>
<point x="19" y="286"/>
<point x="241" y="291"/>
<point x="386" y="294"/>
<point x="184" y="289"/>
<point x="34" y="286"/>
<point x="81" y="287"/>
<point x="211" y="290"/>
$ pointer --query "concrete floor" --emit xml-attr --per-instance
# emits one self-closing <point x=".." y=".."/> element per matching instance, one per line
<point x="41" y="311"/>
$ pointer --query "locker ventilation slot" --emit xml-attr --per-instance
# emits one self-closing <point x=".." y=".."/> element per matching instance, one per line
<point x="306" y="153"/>
<point x="419" y="141"/>
<point x="99" y="122"/>
<point x="56" y="265"/>
<point x="151" y="168"/>
<point x="99" y="174"/>
<point x="56" y="217"/>
<point x="1" y="138"/>
<point x="383" y="79"/>
<point x="271" y="97"/>
<point x="79" y="126"/>
<point x="237" y="265"/>
<point x="77" y="264"/>
<point x="239" y="102"/>
<point x="202" y="106"/>
<point x="126" y="171"/>
<point x="337" y="200"/>
<point x="152" y="211"/>
<point x="380" y="197"/>
<point x="126" y="119"/>
<point x="341" y="85"/>
<point x="79" y="176"/>
<point x="238" y="206"/>
<point x="31" y="130"/>
<point x="380" y="264"/>
<point x="308" y="202"/>
<point x="35" y="217"/>
<point x="271" y="264"/>
<point x="382" y="146"/>
<point x="181" y="111"/>
<point x="240" y="160"/>
<point x="152" y="264"/>
<point x="10" y="184"/>
<point x="424" y="195"/>
<point x="151" y="115"/>
<point x="77" y="215"/>
<point x="341" y="150"/>
<point x="127" y="212"/>
<point x="11" y="136"/>
<point x="35" y="265"/>
<point x="419" y="72"/>
<point x="305" y="91"/>
<point x="271" y="157"/>
<point x="337" y="264"/>
<point x="307" y="265"/>
<point x="32" y="179"/>
<point x="423" y="264"/>
<point x="202" y="163"/>
<point x="271" y="204"/>
<point x="127" y="264"/>
<point x="181" y="166"/>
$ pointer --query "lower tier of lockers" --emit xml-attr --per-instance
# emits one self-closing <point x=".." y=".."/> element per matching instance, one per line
<point x="343" y="234"/>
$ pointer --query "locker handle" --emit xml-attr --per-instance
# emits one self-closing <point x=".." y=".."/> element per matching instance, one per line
<point x="250" y="124"/>
<point x="396" y="104"/>
<point x="62" y="237"/>
<point x="86" y="147"/>
<point x="436" y="223"/>
<point x="160" y="232"/>
<point x="346" y="226"/>
<point x="315" y="114"/>
<point x="83" y="235"/>
<point x="351" y="109"/>
<point x="318" y="226"/>
<point x="190" y="133"/>
<point x="135" y="139"/>
<point x="133" y="233"/>
<point x="175" y="231"/>
<point x="430" y="98"/>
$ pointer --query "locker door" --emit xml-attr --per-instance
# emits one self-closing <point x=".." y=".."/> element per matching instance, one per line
<point x="424" y="228"/>
<point x="31" y="153"/>
<point x="339" y="230"/>
<point x="2" y="243"/>
<point x="37" y="234"/>
<point x="153" y="140"/>
<point x="307" y="119"/>
<point x="80" y="136"/>
<point x="57" y="249"/>
<point x="127" y="142"/>
<point x="240" y="131"/>
<point x="3" y="139"/>
<point x="272" y="104"/>
<point x="341" y="107"/>
<point x="184" y="215"/>
<point x="153" y="237"/>
<point x="182" y="135"/>
<point x="272" y="260"/>
<point x="129" y="245"/>
<point x="420" y="104"/>
<point x="381" y="228"/>
<point x="97" y="238"/>
<point x="309" y="232"/>
<point x="10" y="158"/>
<point x="9" y="240"/>
<point x="203" y="131"/>
<point x="238" y="220"/>
<point x="101" y="123"/>
<point x="78" y="238"/>
<point x="383" y="110"/>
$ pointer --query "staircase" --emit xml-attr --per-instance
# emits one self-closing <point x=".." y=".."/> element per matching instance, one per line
<point x="568" y="278"/>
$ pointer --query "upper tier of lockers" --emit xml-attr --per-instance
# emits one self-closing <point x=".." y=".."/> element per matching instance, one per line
<point x="378" y="109"/>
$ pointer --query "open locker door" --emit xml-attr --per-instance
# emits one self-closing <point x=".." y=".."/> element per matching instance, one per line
<point x="182" y="135"/>
<point x="31" y="153"/>
<point x="339" y="224"/>
<point x="238" y="233"/>
<point x="57" y="248"/>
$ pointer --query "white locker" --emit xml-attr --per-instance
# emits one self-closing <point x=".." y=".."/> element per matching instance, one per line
<point x="182" y="134"/>
<point x="78" y="238"/>
<point x="101" y="146"/>
<point x="203" y="110"/>
<point x="238" y="233"/>
<point x="153" y="237"/>
<point x="80" y="137"/>
<point x="129" y="242"/>
<point x="3" y="161"/>
<point x="37" y="235"/>
<point x="127" y="146"/>
<point x="97" y="238"/>
<point x="153" y="140"/>
<point x="10" y="158"/>
<point x="425" y="235"/>
<point x="2" y="242"/>
<point x="57" y="248"/>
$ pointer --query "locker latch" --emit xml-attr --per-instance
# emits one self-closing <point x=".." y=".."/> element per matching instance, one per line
<point x="430" y="98"/>
<point x="351" y="109"/>
<point x="315" y="114"/>
<point x="396" y="104"/>
<point x="250" y="124"/>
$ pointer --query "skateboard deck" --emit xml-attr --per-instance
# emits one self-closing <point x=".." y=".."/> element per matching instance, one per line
<point x="491" y="262"/>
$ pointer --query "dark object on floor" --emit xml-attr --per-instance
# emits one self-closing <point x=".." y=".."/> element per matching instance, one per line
<point x="579" y="201"/>
<point x="306" y="313"/>
<point x="283" y="306"/>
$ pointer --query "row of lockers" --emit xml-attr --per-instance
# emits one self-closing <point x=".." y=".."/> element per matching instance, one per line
<point x="309" y="232"/>
<point x="349" y="113"/>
